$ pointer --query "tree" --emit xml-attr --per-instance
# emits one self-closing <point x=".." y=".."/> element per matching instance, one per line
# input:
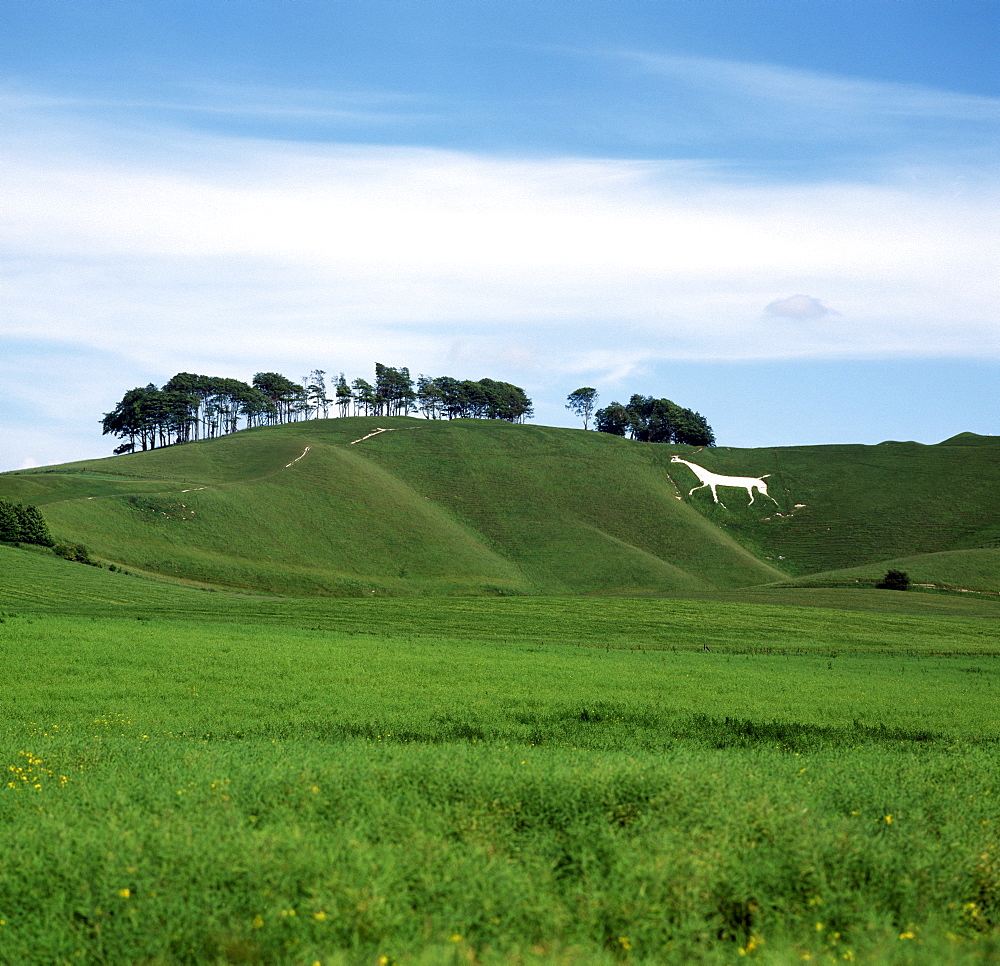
<point x="188" y="392"/>
<point x="364" y="397"/>
<point x="394" y="395"/>
<point x="315" y="388"/>
<point x="449" y="392"/>
<point x="651" y="420"/>
<point x="10" y="523"/>
<point x="192" y="406"/>
<point x="137" y="416"/>
<point x="582" y="402"/>
<point x="894" y="580"/>
<point x="23" y="523"/>
<point x="428" y="397"/>
<point x="343" y="394"/>
<point x="655" y="421"/>
<point x="283" y="393"/>
<point x="506" y="401"/>
<point x="256" y="407"/>
<point x="475" y="402"/>
<point x="612" y="419"/>
<point x="692" y="429"/>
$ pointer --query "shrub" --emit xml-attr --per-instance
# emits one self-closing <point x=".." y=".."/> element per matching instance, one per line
<point x="894" y="580"/>
<point x="73" y="551"/>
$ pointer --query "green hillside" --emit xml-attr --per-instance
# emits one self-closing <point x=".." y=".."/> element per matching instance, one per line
<point x="483" y="507"/>
<point x="848" y="506"/>
<point x="965" y="571"/>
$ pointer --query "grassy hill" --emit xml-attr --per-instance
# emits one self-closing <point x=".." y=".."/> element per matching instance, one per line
<point x="482" y="507"/>
<point x="842" y="506"/>
<point x="227" y="766"/>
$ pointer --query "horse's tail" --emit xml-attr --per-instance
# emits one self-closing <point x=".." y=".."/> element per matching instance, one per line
<point x="765" y="476"/>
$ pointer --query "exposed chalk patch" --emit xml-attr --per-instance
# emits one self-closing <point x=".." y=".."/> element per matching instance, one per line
<point x="297" y="458"/>
<point x="369" y="436"/>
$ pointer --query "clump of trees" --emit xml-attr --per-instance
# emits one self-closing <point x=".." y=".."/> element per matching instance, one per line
<point x="448" y="398"/>
<point x="190" y="406"/>
<point x="655" y="421"/>
<point x="894" y="580"/>
<point x="23" y="523"/>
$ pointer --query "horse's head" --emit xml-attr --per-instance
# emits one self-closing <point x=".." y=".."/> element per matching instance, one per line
<point x="676" y="459"/>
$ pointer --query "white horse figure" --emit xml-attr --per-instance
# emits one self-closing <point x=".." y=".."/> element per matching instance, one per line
<point x="712" y="480"/>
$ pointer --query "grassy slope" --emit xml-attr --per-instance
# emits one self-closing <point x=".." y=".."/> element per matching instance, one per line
<point x="430" y="507"/>
<point x="482" y="507"/>
<point x="755" y="619"/>
<point x="864" y="504"/>
<point x="571" y="781"/>
<point x="961" y="570"/>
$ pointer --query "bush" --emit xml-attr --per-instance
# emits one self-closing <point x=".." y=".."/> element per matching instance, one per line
<point x="894" y="580"/>
<point x="73" y="551"/>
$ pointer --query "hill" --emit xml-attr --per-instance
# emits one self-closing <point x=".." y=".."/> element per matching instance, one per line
<point x="847" y="513"/>
<point x="333" y="507"/>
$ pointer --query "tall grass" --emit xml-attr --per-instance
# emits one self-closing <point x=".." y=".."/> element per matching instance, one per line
<point x="352" y="762"/>
<point x="244" y="793"/>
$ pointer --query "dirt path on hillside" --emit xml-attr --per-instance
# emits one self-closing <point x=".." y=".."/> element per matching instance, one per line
<point x="370" y="435"/>
<point x="297" y="458"/>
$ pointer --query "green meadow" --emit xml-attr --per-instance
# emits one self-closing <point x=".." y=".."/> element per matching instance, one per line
<point x="490" y="696"/>
<point x="207" y="777"/>
<point x="480" y="507"/>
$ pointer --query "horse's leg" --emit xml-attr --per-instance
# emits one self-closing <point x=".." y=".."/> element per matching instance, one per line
<point x="750" y="493"/>
<point x="698" y="487"/>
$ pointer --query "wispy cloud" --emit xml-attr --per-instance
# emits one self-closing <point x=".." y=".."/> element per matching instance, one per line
<point x="170" y="249"/>
<point x="776" y="119"/>
<point x="819" y="93"/>
<point x="269" y="235"/>
<point x="237" y="101"/>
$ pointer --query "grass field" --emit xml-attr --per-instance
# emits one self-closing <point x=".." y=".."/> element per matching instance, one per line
<point x="220" y="778"/>
<point x="487" y="508"/>
<point x="483" y="694"/>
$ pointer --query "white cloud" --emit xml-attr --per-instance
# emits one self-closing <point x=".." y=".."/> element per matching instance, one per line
<point x="171" y="251"/>
<point x="799" y="307"/>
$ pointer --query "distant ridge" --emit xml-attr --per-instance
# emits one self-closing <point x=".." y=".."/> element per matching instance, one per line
<point x="335" y="507"/>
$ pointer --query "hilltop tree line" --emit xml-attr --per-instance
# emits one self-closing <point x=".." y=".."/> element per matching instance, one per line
<point x="643" y="418"/>
<point x="190" y="406"/>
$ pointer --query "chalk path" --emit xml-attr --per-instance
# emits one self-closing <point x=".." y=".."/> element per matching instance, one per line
<point x="370" y="435"/>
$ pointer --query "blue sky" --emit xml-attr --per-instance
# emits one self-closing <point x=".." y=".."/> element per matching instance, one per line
<point x="781" y="213"/>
